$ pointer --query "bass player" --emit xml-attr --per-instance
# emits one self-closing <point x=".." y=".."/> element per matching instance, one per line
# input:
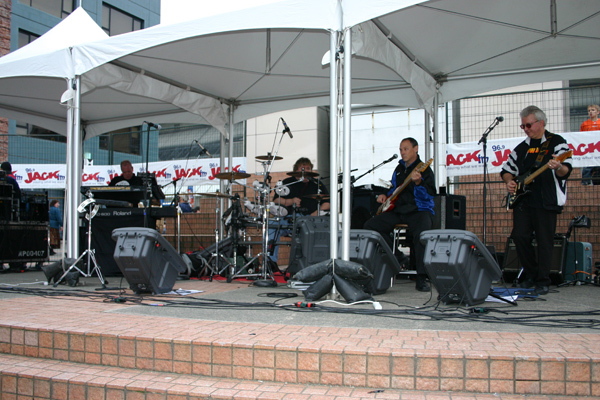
<point x="413" y="205"/>
<point x="542" y="200"/>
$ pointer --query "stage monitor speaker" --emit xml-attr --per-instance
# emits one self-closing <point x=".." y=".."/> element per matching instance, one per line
<point x="454" y="214"/>
<point x="512" y="265"/>
<point x="460" y="267"/>
<point x="148" y="262"/>
<point x="310" y="243"/>
<point x="370" y="249"/>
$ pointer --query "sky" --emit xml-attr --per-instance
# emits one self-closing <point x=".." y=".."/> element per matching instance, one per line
<point x="179" y="10"/>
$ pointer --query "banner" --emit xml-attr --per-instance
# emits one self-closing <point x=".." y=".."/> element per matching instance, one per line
<point x="467" y="158"/>
<point x="189" y="172"/>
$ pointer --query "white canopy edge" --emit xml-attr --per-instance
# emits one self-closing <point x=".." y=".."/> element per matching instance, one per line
<point x="127" y="81"/>
<point x="297" y="14"/>
<point x="54" y="48"/>
<point x="368" y="41"/>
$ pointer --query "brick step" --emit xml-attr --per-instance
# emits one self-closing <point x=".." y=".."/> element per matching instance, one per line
<point x="381" y="368"/>
<point x="43" y="379"/>
<point x="94" y="333"/>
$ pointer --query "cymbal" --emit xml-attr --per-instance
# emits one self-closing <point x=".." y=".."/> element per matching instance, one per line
<point x="300" y="174"/>
<point x="231" y="176"/>
<point x="317" y="196"/>
<point x="268" y="157"/>
<point x="215" y="194"/>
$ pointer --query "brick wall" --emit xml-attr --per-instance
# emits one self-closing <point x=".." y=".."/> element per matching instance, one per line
<point x="5" y="7"/>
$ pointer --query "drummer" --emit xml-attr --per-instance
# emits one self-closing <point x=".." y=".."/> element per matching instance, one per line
<point x="297" y="201"/>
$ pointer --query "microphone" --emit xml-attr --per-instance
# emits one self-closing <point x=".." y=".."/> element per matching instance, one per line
<point x="157" y="126"/>
<point x="500" y="119"/>
<point x="391" y="158"/>
<point x="203" y="150"/>
<point x="287" y="129"/>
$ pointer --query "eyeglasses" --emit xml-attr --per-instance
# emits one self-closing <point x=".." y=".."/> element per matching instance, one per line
<point x="528" y="125"/>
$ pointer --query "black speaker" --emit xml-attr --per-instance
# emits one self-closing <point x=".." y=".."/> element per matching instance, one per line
<point x="455" y="213"/>
<point x="370" y="249"/>
<point x="23" y="242"/>
<point x="511" y="260"/>
<point x="460" y="267"/>
<point x="103" y="224"/>
<point x="364" y="204"/>
<point x="310" y="243"/>
<point x="148" y="262"/>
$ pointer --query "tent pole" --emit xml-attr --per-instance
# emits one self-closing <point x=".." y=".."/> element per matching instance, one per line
<point x="74" y="163"/>
<point x="346" y="182"/>
<point x="333" y="146"/>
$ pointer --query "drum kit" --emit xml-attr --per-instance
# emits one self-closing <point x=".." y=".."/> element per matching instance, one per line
<point x="231" y="256"/>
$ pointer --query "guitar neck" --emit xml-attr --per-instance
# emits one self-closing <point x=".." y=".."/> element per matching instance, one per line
<point x="544" y="167"/>
<point x="535" y="174"/>
<point x="399" y="189"/>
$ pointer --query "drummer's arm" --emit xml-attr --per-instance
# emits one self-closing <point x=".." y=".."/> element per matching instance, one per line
<point x="325" y="206"/>
<point x="290" y="202"/>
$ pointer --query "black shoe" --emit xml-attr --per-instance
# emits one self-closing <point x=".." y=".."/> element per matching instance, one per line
<point x="421" y="284"/>
<point x="526" y="284"/>
<point x="542" y="289"/>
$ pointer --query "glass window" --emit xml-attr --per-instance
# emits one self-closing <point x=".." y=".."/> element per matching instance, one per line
<point x="26" y="37"/>
<point x="122" y="141"/>
<point x="58" y="8"/>
<point x="115" y="22"/>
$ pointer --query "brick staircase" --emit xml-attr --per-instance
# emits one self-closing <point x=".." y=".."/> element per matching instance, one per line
<point x="63" y="348"/>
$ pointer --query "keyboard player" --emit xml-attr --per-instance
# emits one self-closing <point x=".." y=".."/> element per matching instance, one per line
<point x="129" y="178"/>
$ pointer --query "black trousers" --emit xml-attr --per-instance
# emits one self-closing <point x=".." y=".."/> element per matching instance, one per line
<point x="417" y="222"/>
<point x="526" y="221"/>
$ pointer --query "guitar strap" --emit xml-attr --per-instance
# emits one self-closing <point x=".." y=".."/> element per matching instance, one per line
<point x="543" y="151"/>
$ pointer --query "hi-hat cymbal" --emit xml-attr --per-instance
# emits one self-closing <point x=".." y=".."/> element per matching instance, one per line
<point x="269" y="157"/>
<point x="301" y="174"/>
<point x="215" y="194"/>
<point x="231" y="176"/>
<point x="317" y="196"/>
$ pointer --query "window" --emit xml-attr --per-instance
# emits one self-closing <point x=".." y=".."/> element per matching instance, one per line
<point x="123" y="141"/>
<point x="26" y="37"/>
<point x="115" y="22"/>
<point x="58" y="8"/>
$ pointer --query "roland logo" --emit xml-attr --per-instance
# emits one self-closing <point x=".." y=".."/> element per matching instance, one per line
<point x="121" y="213"/>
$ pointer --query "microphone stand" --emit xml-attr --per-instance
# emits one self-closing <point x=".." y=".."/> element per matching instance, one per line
<point x="375" y="167"/>
<point x="485" y="173"/>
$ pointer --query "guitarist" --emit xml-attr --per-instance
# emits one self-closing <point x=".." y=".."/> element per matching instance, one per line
<point x="537" y="211"/>
<point x="413" y="206"/>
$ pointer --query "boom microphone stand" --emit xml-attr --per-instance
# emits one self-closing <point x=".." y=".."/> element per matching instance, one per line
<point x="485" y="171"/>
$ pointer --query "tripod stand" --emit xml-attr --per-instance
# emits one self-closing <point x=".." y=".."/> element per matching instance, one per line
<point x="90" y="207"/>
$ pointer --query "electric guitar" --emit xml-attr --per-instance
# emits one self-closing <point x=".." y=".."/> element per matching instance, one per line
<point x="389" y="203"/>
<point x="524" y="180"/>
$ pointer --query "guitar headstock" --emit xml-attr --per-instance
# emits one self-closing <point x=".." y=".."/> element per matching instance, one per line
<point x="424" y="166"/>
<point x="562" y="157"/>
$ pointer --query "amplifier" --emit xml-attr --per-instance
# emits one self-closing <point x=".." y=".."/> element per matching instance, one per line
<point x="511" y="261"/>
<point x="23" y="242"/>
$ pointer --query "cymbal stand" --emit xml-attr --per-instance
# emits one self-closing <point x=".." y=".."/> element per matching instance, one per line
<point x="267" y="275"/>
<point x="216" y="256"/>
<point x="90" y="207"/>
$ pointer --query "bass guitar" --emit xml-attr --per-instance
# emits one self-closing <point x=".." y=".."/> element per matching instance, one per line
<point x="389" y="203"/>
<point x="524" y="180"/>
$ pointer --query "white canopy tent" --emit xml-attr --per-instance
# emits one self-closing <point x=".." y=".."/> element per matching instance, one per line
<point x="269" y="58"/>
